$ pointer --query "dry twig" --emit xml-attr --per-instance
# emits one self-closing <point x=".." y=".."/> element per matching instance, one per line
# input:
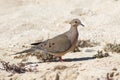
<point x="15" y="68"/>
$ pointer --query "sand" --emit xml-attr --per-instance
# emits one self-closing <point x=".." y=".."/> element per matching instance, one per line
<point x="25" y="21"/>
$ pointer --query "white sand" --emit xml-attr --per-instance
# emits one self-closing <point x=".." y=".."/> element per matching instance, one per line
<point x="25" y="21"/>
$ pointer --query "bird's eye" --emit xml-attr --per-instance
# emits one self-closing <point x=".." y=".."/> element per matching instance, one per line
<point x="75" y="21"/>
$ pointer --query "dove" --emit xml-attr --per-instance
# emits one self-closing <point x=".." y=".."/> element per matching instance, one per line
<point x="59" y="45"/>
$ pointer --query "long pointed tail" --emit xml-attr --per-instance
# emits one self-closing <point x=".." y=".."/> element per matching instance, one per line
<point x="25" y="51"/>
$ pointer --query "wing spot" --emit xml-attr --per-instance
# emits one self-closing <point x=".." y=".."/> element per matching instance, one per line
<point x="53" y="43"/>
<point x="49" y="45"/>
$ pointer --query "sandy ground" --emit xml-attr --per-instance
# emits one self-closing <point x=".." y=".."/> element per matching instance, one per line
<point x="25" y="21"/>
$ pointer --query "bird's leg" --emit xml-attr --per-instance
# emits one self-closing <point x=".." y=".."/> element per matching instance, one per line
<point x="61" y="60"/>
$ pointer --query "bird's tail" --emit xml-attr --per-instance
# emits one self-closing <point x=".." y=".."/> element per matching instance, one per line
<point x="25" y="51"/>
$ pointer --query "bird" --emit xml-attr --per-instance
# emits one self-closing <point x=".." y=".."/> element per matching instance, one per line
<point x="61" y="44"/>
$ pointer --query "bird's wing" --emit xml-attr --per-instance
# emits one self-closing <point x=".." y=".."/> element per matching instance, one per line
<point x="57" y="44"/>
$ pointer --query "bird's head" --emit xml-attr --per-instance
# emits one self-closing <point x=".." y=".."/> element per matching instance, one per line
<point x="76" y="22"/>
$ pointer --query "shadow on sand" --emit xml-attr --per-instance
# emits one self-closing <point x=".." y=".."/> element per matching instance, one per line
<point x="79" y="59"/>
<point x="67" y="60"/>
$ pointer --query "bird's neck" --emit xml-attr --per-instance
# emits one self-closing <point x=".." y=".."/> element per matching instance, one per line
<point x="73" y="34"/>
<point x="73" y="29"/>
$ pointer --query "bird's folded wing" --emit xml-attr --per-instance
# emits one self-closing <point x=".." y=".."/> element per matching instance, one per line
<point x="57" y="44"/>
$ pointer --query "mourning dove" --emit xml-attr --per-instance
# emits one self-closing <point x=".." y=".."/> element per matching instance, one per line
<point x="60" y="44"/>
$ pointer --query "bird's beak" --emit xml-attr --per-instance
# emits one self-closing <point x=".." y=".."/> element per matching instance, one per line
<point x="82" y="25"/>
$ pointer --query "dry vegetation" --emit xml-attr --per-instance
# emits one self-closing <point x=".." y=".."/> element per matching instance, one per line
<point x="112" y="48"/>
<point x="41" y="56"/>
<point x="19" y="68"/>
<point x="101" y="54"/>
<point x="85" y="43"/>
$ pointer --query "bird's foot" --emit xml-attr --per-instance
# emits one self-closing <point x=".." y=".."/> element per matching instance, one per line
<point x="61" y="60"/>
